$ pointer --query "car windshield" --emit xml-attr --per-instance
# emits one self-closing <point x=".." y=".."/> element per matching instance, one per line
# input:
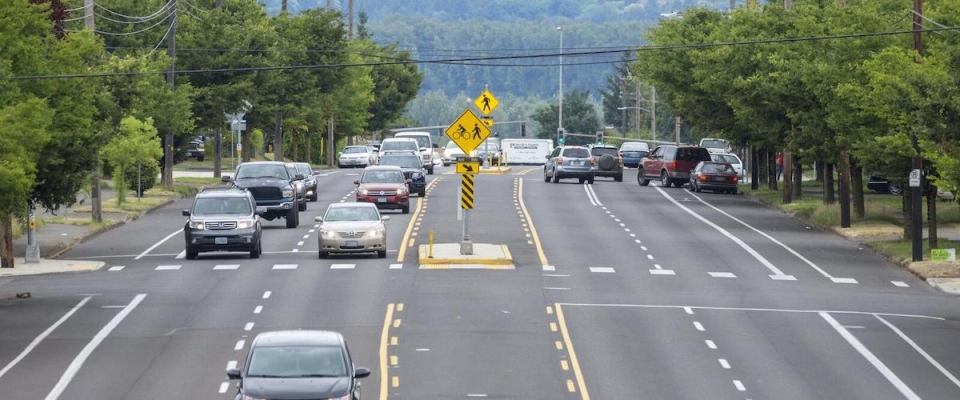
<point x="355" y="150"/>
<point x="599" y="151"/>
<point x="422" y="141"/>
<point x="577" y="152"/>
<point x="222" y="205"/>
<point x="716" y="168"/>
<point x="262" y="171"/>
<point x="398" y="145"/>
<point x="297" y="361"/>
<point x="714" y="143"/>
<point x="727" y="158"/>
<point x="401" y="161"/>
<point x="304" y="169"/>
<point x="335" y="214"/>
<point x="381" y="176"/>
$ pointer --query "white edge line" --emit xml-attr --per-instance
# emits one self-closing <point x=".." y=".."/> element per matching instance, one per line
<point x="919" y="350"/>
<point x="223" y="387"/>
<point x="860" y="348"/>
<point x="90" y="347"/>
<point x="155" y="245"/>
<point x="751" y="309"/>
<point x="44" y="335"/>
<point x="589" y="197"/>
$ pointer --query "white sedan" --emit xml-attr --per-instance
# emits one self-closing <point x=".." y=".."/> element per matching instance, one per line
<point x="451" y="153"/>
<point x="731" y="159"/>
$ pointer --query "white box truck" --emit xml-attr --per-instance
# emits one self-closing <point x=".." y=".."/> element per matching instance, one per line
<point x="526" y="151"/>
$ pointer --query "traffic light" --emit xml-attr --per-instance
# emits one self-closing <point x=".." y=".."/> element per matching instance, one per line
<point x="559" y="135"/>
<point x="523" y="129"/>
<point x="599" y="137"/>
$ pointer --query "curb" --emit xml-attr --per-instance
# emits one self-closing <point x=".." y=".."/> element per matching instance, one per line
<point x="507" y="259"/>
<point x="92" y="234"/>
<point x="498" y="171"/>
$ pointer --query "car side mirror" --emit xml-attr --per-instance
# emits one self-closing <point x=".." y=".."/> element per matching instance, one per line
<point x="317" y="219"/>
<point x="361" y="372"/>
<point x="385" y="218"/>
<point x="298" y="177"/>
<point x="409" y="180"/>
<point x="233" y="373"/>
<point x="226" y="179"/>
<point x="186" y="213"/>
<point x="356" y="182"/>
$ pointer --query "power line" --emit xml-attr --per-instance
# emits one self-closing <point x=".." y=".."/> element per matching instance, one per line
<point x="159" y="11"/>
<point x="129" y="33"/>
<point x="480" y="59"/>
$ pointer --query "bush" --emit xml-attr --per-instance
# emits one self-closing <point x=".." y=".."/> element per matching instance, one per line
<point x="149" y="173"/>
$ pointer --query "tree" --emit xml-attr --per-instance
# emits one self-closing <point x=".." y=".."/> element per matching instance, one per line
<point x="137" y="143"/>
<point x="580" y="117"/>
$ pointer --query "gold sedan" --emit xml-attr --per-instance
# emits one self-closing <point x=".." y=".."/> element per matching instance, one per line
<point x="352" y="228"/>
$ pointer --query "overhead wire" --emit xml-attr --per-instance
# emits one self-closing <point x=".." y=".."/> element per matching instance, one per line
<point x="163" y="8"/>
<point x="134" y="32"/>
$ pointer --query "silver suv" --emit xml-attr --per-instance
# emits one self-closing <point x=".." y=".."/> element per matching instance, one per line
<point x="567" y="162"/>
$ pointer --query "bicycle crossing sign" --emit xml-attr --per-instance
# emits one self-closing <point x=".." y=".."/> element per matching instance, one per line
<point x="486" y="102"/>
<point x="468" y="131"/>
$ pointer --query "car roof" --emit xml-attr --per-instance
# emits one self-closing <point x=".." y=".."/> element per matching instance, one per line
<point x="222" y="191"/>
<point x="263" y="163"/>
<point x="299" y="338"/>
<point x="604" y="146"/>
<point x="399" y="153"/>
<point x="394" y="139"/>
<point x="382" y="168"/>
<point x="352" y="204"/>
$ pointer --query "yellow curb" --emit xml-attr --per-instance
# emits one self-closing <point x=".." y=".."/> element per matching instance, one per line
<point x="500" y="170"/>
<point x="459" y="266"/>
<point x="425" y="260"/>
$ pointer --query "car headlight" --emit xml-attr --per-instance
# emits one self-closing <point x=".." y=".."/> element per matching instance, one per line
<point x="401" y="190"/>
<point x="252" y="398"/>
<point x="288" y="193"/>
<point x="198" y="225"/>
<point x="328" y="234"/>
<point x="363" y="191"/>
<point x="377" y="233"/>
<point x="245" y="223"/>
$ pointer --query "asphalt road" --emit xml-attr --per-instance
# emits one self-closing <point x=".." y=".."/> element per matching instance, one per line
<point x="618" y="292"/>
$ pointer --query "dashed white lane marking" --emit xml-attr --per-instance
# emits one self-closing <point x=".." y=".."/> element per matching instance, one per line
<point x="239" y="345"/>
<point x="258" y="310"/>
<point x="698" y="325"/>
<point x="662" y="272"/>
<point x="167" y="267"/>
<point x="633" y="235"/>
<point x="226" y="266"/>
<point x="116" y="268"/>
<point x="869" y="356"/>
<point x="306" y="236"/>
<point x="626" y="229"/>
<point x="722" y="274"/>
<point x="182" y="255"/>
<point x="649" y="256"/>
<point x="316" y="226"/>
<point x="285" y="266"/>
<point x="895" y="283"/>
<point x="312" y="230"/>
<point x="224" y="386"/>
<point x="557" y="275"/>
<point x="248" y="326"/>
<point x="638" y="241"/>
<point x="739" y="386"/>
<point x="844" y="280"/>
<point x="343" y="266"/>
<point x="556" y="288"/>
<point x="267" y="294"/>
<point x="396" y="266"/>
<point x="724" y="364"/>
<point x="549" y="268"/>
<point x="644" y="248"/>
<point x="604" y="270"/>
<point x="476" y="395"/>
<point x="711" y="344"/>
<point x="300" y="243"/>
<point x="231" y="364"/>
<point x="920" y="350"/>
<point x="616" y="219"/>
<point x="688" y="310"/>
<point x="783" y="277"/>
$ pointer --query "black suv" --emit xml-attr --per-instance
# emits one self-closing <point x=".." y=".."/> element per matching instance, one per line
<point x="222" y="219"/>
<point x="412" y="168"/>
<point x="274" y="187"/>
<point x="609" y="162"/>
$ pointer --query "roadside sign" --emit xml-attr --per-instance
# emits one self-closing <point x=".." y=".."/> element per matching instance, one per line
<point x="486" y="102"/>
<point x="468" y="131"/>
<point x="466" y="191"/>
<point x="943" y="255"/>
<point x="487" y="120"/>
<point x="468" y="167"/>
<point x="915" y="178"/>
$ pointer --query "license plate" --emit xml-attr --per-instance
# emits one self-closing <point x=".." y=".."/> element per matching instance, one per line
<point x="220" y="240"/>
<point x="719" y="178"/>
<point x="381" y="200"/>
<point x="578" y="162"/>
<point x="351" y="243"/>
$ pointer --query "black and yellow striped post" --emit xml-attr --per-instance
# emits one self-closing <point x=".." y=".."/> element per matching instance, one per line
<point x="466" y="191"/>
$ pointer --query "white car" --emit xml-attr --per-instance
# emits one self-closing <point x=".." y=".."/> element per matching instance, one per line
<point x="356" y="156"/>
<point x="451" y="153"/>
<point x="731" y="159"/>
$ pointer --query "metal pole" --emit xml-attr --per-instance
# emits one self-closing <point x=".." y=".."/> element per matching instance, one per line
<point x="560" y="112"/>
<point x="653" y="114"/>
<point x="88" y="21"/>
<point x="239" y="146"/>
<point x="916" y="193"/>
<point x="33" y="250"/>
<point x="677" y="128"/>
<point x="139" y="180"/>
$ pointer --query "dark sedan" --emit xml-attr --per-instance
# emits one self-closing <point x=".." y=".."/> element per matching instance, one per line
<point x="412" y="168"/>
<point x="715" y="176"/>
<point x="879" y="183"/>
<point x="299" y="365"/>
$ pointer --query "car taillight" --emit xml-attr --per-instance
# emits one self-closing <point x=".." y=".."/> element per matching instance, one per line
<point x="673" y="165"/>
<point x="703" y="178"/>
<point x="559" y="160"/>
<point x="593" y="160"/>
<point x="736" y="179"/>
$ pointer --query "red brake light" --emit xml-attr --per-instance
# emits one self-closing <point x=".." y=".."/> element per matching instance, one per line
<point x="673" y="165"/>
<point x="703" y="178"/>
<point x="736" y="179"/>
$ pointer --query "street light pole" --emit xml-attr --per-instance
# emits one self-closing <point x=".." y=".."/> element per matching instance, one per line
<point x="560" y="112"/>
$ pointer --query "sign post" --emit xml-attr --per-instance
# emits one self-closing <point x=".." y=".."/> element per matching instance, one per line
<point x="468" y="132"/>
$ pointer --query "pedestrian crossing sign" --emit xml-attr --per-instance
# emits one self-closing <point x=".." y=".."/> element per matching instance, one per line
<point x="468" y="131"/>
<point x="486" y="102"/>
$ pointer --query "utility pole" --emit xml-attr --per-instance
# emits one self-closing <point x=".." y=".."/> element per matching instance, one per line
<point x="168" y="142"/>
<point x="653" y="115"/>
<point x="676" y="128"/>
<point x="283" y="6"/>
<point x="96" y="200"/>
<point x="350" y="19"/>
<point x="219" y="3"/>
<point x="331" y="145"/>
<point x="329" y="5"/>
<point x="278" y="138"/>
<point x="88" y="14"/>
<point x="787" y="156"/>
<point x="916" y="214"/>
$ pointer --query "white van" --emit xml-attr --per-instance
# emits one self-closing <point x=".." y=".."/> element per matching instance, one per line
<point x="526" y="151"/>
<point x="425" y="141"/>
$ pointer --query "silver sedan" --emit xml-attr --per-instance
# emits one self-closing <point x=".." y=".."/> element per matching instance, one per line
<point x="352" y="228"/>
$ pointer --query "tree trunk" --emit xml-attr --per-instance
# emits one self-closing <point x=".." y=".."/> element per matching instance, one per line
<point x="828" y="185"/>
<point x="818" y="166"/>
<point x="6" y="241"/>
<point x="932" y="239"/>
<point x="907" y="214"/>
<point x="295" y="145"/>
<point x="844" y="176"/>
<point x="797" y="180"/>
<point x="217" y="161"/>
<point x="306" y="148"/>
<point x="787" y="177"/>
<point x="247" y="147"/>
<point x="96" y="201"/>
<point x="856" y="189"/>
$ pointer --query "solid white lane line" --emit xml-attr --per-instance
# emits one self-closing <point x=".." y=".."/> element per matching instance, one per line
<point x="116" y="268"/>
<point x="90" y="347"/>
<point x="899" y="284"/>
<point x="182" y="255"/>
<point x="711" y="344"/>
<point x="739" y="386"/>
<point x="239" y="345"/>
<point x="920" y="350"/>
<point x="662" y="272"/>
<point x="698" y="325"/>
<point x="43" y="335"/>
<point x="168" y="267"/>
<point x="223" y="387"/>
<point x="267" y="294"/>
<point x="232" y="364"/>
<point x="860" y="348"/>
<point x="722" y="274"/>
<point x="284" y="266"/>
<point x="343" y="266"/>
<point x="226" y="266"/>
<point x="157" y="244"/>
<point x="396" y="266"/>
<point x="782" y="310"/>
<point x="603" y="270"/>
<point x="741" y="243"/>
<point x="258" y="310"/>
<point x="248" y="326"/>
<point x="724" y="364"/>
<point x="589" y="197"/>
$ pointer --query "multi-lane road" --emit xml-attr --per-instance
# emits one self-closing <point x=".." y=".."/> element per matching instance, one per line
<point x="618" y="292"/>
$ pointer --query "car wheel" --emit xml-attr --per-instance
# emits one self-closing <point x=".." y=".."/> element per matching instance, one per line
<point x="200" y="158"/>
<point x="695" y="187"/>
<point x="894" y="189"/>
<point x="582" y="180"/>
<point x="665" y="180"/>
<point x="546" y="178"/>
<point x="590" y="181"/>
<point x="733" y="191"/>
<point x="323" y="254"/>
<point x="677" y="183"/>
<point x="315" y="195"/>
<point x="556" y="177"/>
<point x="303" y="205"/>
<point x="641" y="179"/>
<point x="422" y="192"/>
<point x="255" y="253"/>
<point x="293" y="218"/>
<point x="430" y="170"/>
<point x="382" y="254"/>
<point x="405" y="209"/>
<point x="191" y="254"/>
<point x="618" y="178"/>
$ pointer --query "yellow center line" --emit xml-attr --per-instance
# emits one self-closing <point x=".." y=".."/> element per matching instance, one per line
<point x="573" y="354"/>
<point x="383" y="352"/>
<point x="406" y="236"/>
<point x="533" y="230"/>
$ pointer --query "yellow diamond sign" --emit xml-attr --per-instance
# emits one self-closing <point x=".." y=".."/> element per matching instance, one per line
<point x="486" y="103"/>
<point x="468" y="131"/>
